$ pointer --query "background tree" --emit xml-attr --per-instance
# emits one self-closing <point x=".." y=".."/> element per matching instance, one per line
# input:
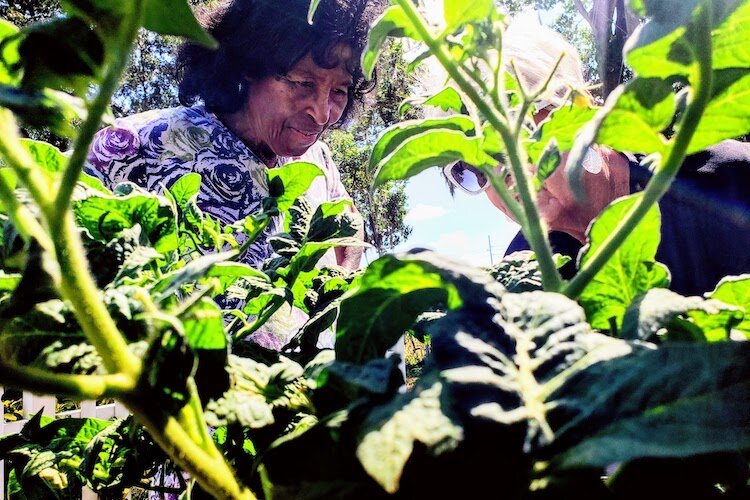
<point x="384" y="208"/>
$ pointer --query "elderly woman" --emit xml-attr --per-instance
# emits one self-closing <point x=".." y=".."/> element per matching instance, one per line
<point x="705" y="233"/>
<point x="264" y="97"/>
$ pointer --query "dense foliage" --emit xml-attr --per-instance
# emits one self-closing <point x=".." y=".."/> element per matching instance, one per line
<point x="606" y="386"/>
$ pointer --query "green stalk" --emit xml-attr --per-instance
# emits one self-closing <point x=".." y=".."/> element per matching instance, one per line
<point x="259" y="321"/>
<point x="76" y="386"/>
<point x="213" y="474"/>
<point x="78" y="287"/>
<point x="118" y="61"/>
<point x="702" y="82"/>
<point x="531" y="222"/>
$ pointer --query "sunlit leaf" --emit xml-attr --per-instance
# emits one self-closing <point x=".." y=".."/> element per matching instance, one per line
<point x="458" y="12"/>
<point x="651" y="314"/>
<point x="432" y="148"/>
<point x="735" y="291"/>
<point x="174" y="17"/>
<point x="397" y="134"/>
<point x="447" y="99"/>
<point x="204" y="326"/>
<point x="630" y="271"/>
<point x="727" y="115"/>
<point x="394" y="23"/>
<point x="563" y="124"/>
<point x="9" y="56"/>
<point x="289" y="182"/>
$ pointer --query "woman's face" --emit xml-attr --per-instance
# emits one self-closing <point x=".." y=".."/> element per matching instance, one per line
<point x="286" y="114"/>
<point x="558" y="206"/>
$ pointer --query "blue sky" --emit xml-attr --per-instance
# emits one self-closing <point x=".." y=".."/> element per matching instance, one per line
<point x="456" y="227"/>
<point x="464" y="227"/>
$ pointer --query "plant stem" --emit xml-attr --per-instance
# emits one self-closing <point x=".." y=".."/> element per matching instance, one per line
<point x="78" y="287"/>
<point x="213" y="474"/>
<point x="529" y="218"/>
<point x="118" y="60"/>
<point x="702" y="83"/>
<point x="259" y="321"/>
<point x="61" y="384"/>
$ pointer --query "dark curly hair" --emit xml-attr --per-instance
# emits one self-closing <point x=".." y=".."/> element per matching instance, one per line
<point x="260" y="38"/>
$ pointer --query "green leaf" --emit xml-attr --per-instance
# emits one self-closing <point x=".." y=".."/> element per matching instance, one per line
<point x="388" y="436"/>
<point x="735" y="290"/>
<point x="562" y="125"/>
<point x="174" y="17"/>
<point x="390" y="295"/>
<point x="663" y="46"/>
<point x="289" y="182"/>
<point x="8" y="282"/>
<point x="652" y="314"/>
<point x="678" y="400"/>
<point x="664" y="17"/>
<point x="192" y="271"/>
<point x="641" y="112"/>
<point x="459" y="12"/>
<point x="547" y="164"/>
<point x="44" y="108"/>
<point x="53" y="161"/>
<point x="447" y="99"/>
<point x="395" y="136"/>
<point x="394" y="23"/>
<point x="631" y="119"/>
<point x="9" y="56"/>
<point x="727" y="115"/>
<point x="186" y="188"/>
<point x="204" y="326"/>
<point x="432" y="148"/>
<point x="729" y="40"/>
<point x="104" y="217"/>
<point x="630" y="271"/>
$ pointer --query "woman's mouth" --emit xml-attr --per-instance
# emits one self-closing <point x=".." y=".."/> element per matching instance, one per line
<point x="307" y="135"/>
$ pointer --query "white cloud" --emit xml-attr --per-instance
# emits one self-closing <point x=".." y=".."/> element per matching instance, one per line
<point x="423" y="212"/>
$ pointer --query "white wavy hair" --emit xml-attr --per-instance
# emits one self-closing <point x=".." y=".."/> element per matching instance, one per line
<point x="534" y="50"/>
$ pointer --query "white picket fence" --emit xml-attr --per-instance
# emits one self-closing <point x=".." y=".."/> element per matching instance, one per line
<point x="32" y="403"/>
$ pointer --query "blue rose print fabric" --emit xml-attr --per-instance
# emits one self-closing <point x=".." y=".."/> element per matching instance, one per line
<point x="155" y="148"/>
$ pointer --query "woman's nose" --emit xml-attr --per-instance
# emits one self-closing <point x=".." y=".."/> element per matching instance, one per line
<point x="320" y="108"/>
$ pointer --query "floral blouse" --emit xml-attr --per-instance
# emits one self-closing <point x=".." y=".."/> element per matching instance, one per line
<point x="155" y="148"/>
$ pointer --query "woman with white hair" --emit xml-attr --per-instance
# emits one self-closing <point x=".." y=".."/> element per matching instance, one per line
<point x="705" y="233"/>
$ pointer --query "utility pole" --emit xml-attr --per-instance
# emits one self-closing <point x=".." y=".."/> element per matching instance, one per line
<point x="489" y="248"/>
